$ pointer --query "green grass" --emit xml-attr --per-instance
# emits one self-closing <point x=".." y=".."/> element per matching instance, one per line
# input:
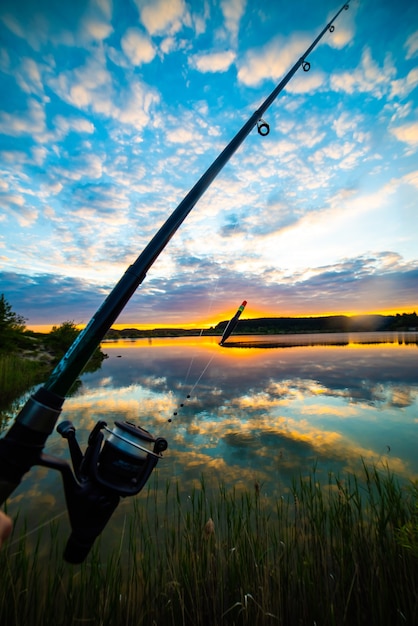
<point x="335" y="554"/>
<point x="17" y="375"/>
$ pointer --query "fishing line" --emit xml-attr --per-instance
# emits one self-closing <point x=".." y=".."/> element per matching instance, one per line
<point x="209" y="308"/>
<point x="263" y="128"/>
<point x="195" y="385"/>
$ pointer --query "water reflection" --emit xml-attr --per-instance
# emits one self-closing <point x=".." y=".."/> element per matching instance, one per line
<point x="323" y="339"/>
<point x="246" y="414"/>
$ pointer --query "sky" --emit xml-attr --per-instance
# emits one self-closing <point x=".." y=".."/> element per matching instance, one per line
<point x="111" y="111"/>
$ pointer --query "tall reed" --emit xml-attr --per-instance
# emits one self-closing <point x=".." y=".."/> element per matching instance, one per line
<point x="329" y="555"/>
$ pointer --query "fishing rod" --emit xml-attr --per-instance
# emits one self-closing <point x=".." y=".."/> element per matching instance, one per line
<point x="120" y="465"/>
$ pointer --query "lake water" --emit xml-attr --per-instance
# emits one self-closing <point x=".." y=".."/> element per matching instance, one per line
<point x="264" y="409"/>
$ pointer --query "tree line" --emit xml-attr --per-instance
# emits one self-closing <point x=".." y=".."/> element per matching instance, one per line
<point x="326" y="324"/>
<point x="14" y="337"/>
<point x="284" y="325"/>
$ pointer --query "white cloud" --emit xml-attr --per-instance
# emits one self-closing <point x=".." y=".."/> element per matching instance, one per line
<point x="367" y="78"/>
<point x="14" y="199"/>
<point x="402" y="87"/>
<point x="95" y="24"/>
<point x="76" y="124"/>
<point x="17" y="206"/>
<point x="215" y="62"/>
<point x="340" y="37"/>
<point x="344" y="124"/>
<point x="337" y="151"/>
<point x="343" y="154"/>
<point x="29" y="122"/>
<point x="181" y="135"/>
<point x="77" y="23"/>
<point x="117" y="57"/>
<point x="93" y="166"/>
<point x="347" y="213"/>
<point x="13" y="156"/>
<point x="168" y="44"/>
<point x="13" y="24"/>
<point x="351" y="125"/>
<point x="343" y="31"/>
<point x="39" y="154"/>
<point x="233" y="10"/>
<point x="162" y="16"/>
<point x="85" y="166"/>
<point x="309" y="137"/>
<point x="29" y="77"/>
<point x="137" y="47"/>
<point x="408" y="133"/>
<point x="411" y="45"/>
<point x="86" y="86"/>
<point x="411" y="178"/>
<point x="51" y="188"/>
<point x="272" y="60"/>
<point x="97" y="30"/>
<point x="91" y="87"/>
<point x="306" y="82"/>
<point x="400" y="111"/>
<point x="199" y="25"/>
<point x="136" y="106"/>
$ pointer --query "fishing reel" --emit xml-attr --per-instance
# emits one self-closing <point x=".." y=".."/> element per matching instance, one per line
<point x="111" y="468"/>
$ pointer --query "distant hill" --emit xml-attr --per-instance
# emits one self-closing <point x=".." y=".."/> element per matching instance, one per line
<point x="329" y="324"/>
<point x="284" y="325"/>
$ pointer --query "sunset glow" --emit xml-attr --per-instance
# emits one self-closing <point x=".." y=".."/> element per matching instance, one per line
<point x="112" y="111"/>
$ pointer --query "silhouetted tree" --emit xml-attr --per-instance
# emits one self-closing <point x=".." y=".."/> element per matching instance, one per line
<point x="12" y="327"/>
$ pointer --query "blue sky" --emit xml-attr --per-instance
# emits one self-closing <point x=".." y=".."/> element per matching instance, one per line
<point x="111" y="111"/>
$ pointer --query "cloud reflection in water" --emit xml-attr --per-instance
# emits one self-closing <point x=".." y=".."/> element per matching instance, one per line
<point x="263" y="413"/>
<point x="255" y="415"/>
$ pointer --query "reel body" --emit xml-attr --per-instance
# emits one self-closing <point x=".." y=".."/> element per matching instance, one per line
<point x="111" y="468"/>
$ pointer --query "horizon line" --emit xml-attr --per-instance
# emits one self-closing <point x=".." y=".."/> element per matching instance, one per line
<point x="211" y="324"/>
